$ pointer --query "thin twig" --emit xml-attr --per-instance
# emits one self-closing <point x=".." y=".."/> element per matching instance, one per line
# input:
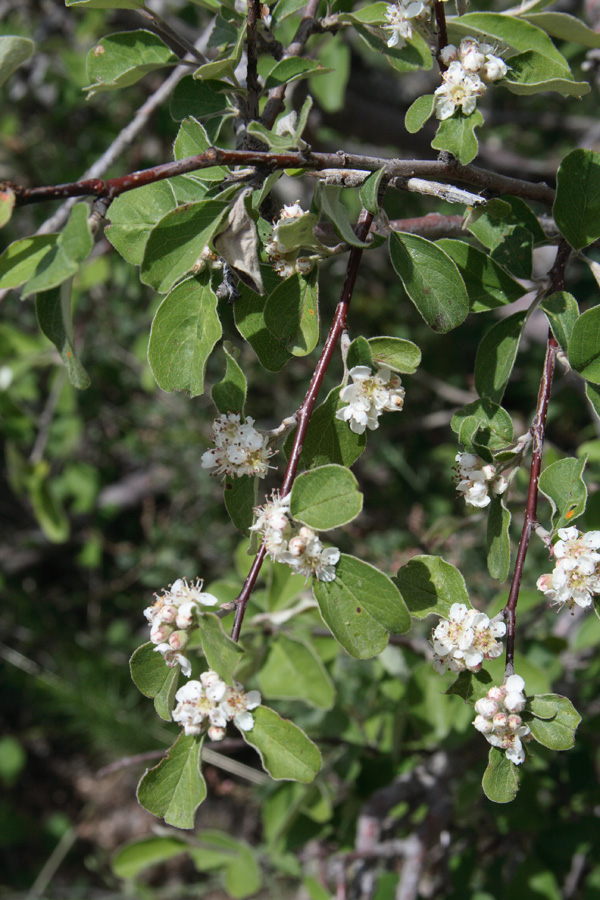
<point x="165" y="29"/>
<point x="537" y="432"/>
<point x="252" y="84"/>
<point x="440" y="18"/>
<point x="308" y="404"/>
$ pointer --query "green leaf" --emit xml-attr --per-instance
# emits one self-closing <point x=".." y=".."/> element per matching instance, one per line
<point x="184" y="331"/>
<point x="483" y="427"/>
<point x="531" y="73"/>
<point x="155" y="679"/>
<point x="562" y="311"/>
<point x="496" y="356"/>
<point x="107" y="4"/>
<point x="369" y="191"/>
<point x="249" y="313"/>
<point x="47" y="509"/>
<point x="73" y="245"/>
<point x="397" y="354"/>
<point x="120" y="60"/>
<point x="565" y="27"/>
<point x="511" y="237"/>
<point x="240" y="499"/>
<point x="419" y="112"/>
<point x="292" y="313"/>
<point x="488" y="284"/>
<point x="557" y="733"/>
<point x="7" y="204"/>
<point x="359" y="354"/>
<point x="541" y="706"/>
<point x="215" y="849"/>
<point x="577" y="205"/>
<point x="134" y="214"/>
<point x="517" y="33"/>
<point x="222" y="654"/>
<point x="428" y="584"/>
<point x="329" y="89"/>
<point x="200" y="99"/>
<point x="191" y="140"/>
<point x="431" y="280"/>
<point x="498" y="540"/>
<point x="177" y="240"/>
<point x="593" y="395"/>
<point x="293" y="671"/>
<point x="174" y="789"/>
<point x="54" y="317"/>
<point x="286" y="753"/>
<point x="360" y="606"/>
<point x="292" y="69"/>
<point x="133" y="858"/>
<point x="457" y="136"/>
<point x="415" y="55"/>
<point x="471" y="686"/>
<point x="14" y="51"/>
<point x="372" y="14"/>
<point x="326" y="497"/>
<point x="501" y="778"/>
<point x="564" y="487"/>
<point x="229" y="395"/>
<point x="329" y="199"/>
<point x="328" y="440"/>
<point x="584" y="345"/>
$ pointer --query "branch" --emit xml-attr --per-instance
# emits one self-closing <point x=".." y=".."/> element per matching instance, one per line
<point x="538" y="427"/>
<point x="252" y="84"/>
<point x="170" y="34"/>
<point x="440" y="18"/>
<point x="293" y="159"/>
<point x="308" y="404"/>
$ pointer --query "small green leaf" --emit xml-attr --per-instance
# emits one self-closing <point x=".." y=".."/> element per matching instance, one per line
<point x="418" y="113"/>
<point x="73" y="245"/>
<point x="510" y="237"/>
<point x="174" y="789"/>
<point x="563" y="485"/>
<point x="331" y="204"/>
<point x="584" y="345"/>
<point x="501" y="778"/>
<point x="200" y="99"/>
<point x="557" y="733"/>
<point x="293" y="671"/>
<point x="184" y="331"/>
<point x="531" y="73"/>
<point x="565" y="27"/>
<point x="428" y="584"/>
<point x="483" y="427"/>
<point x="328" y="440"/>
<point x="488" y="284"/>
<point x="222" y="654"/>
<point x="14" y="51"/>
<point x="229" y="395"/>
<point x="359" y="354"/>
<point x="177" y="240"/>
<point x="562" y="311"/>
<point x="329" y="89"/>
<point x="577" y="205"/>
<point x="471" y="686"/>
<point x="134" y="214"/>
<point x="133" y="858"/>
<point x="397" y="354"/>
<point x="54" y="316"/>
<point x="240" y="499"/>
<point x="541" y="706"/>
<point x="191" y="140"/>
<point x="292" y="313"/>
<point x="360" y="606"/>
<point x="287" y="754"/>
<point x="326" y="497"/>
<point x="457" y="136"/>
<point x="121" y="59"/>
<point x="249" y="313"/>
<point x="369" y="191"/>
<point x="496" y="356"/>
<point x="498" y="540"/>
<point x="431" y="280"/>
<point x="153" y="678"/>
<point x="292" y="69"/>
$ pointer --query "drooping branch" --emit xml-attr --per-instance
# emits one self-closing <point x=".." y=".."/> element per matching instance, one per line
<point x="537" y="430"/>
<point x="293" y="159"/>
<point x="308" y="404"/>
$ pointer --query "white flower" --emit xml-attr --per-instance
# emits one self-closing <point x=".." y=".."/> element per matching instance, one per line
<point x="476" y="478"/>
<point x="209" y="704"/>
<point x="466" y="639"/>
<point x="493" y="69"/>
<point x="273" y="523"/>
<point x="398" y="15"/>
<point x="497" y="720"/>
<point x="576" y="576"/>
<point x="174" y="611"/>
<point x="459" y="88"/>
<point x="239" y="448"/>
<point x="173" y="659"/>
<point x="285" y="259"/>
<point x="369" y="396"/>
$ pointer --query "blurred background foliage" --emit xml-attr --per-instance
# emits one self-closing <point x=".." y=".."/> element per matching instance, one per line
<point x="103" y="502"/>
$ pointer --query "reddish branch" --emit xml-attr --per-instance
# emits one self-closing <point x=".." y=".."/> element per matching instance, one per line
<point x="440" y="18"/>
<point x="308" y="404"/>
<point x="537" y="431"/>
<point x="435" y="169"/>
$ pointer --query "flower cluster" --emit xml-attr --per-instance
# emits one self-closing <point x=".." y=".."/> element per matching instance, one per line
<point x="499" y="721"/>
<point x="476" y="478"/>
<point x="213" y="703"/>
<point x="576" y="576"/>
<point x="172" y="617"/>
<point x="207" y="260"/>
<point x="470" y="68"/>
<point x="399" y="15"/>
<point x="369" y="396"/>
<point x="239" y="449"/>
<point x="466" y="639"/>
<point x="285" y="259"/>
<point x="298" y="547"/>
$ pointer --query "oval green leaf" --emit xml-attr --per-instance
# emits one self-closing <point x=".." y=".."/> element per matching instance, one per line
<point x="174" y="789"/>
<point x="397" y="354"/>
<point x="496" y="356"/>
<point x="428" y="584"/>
<point x="326" y="497"/>
<point x="287" y="754"/>
<point x="501" y="778"/>
<point x="564" y="487"/>
<point x="293" y="671"/>
<point x="577" y="204"/>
